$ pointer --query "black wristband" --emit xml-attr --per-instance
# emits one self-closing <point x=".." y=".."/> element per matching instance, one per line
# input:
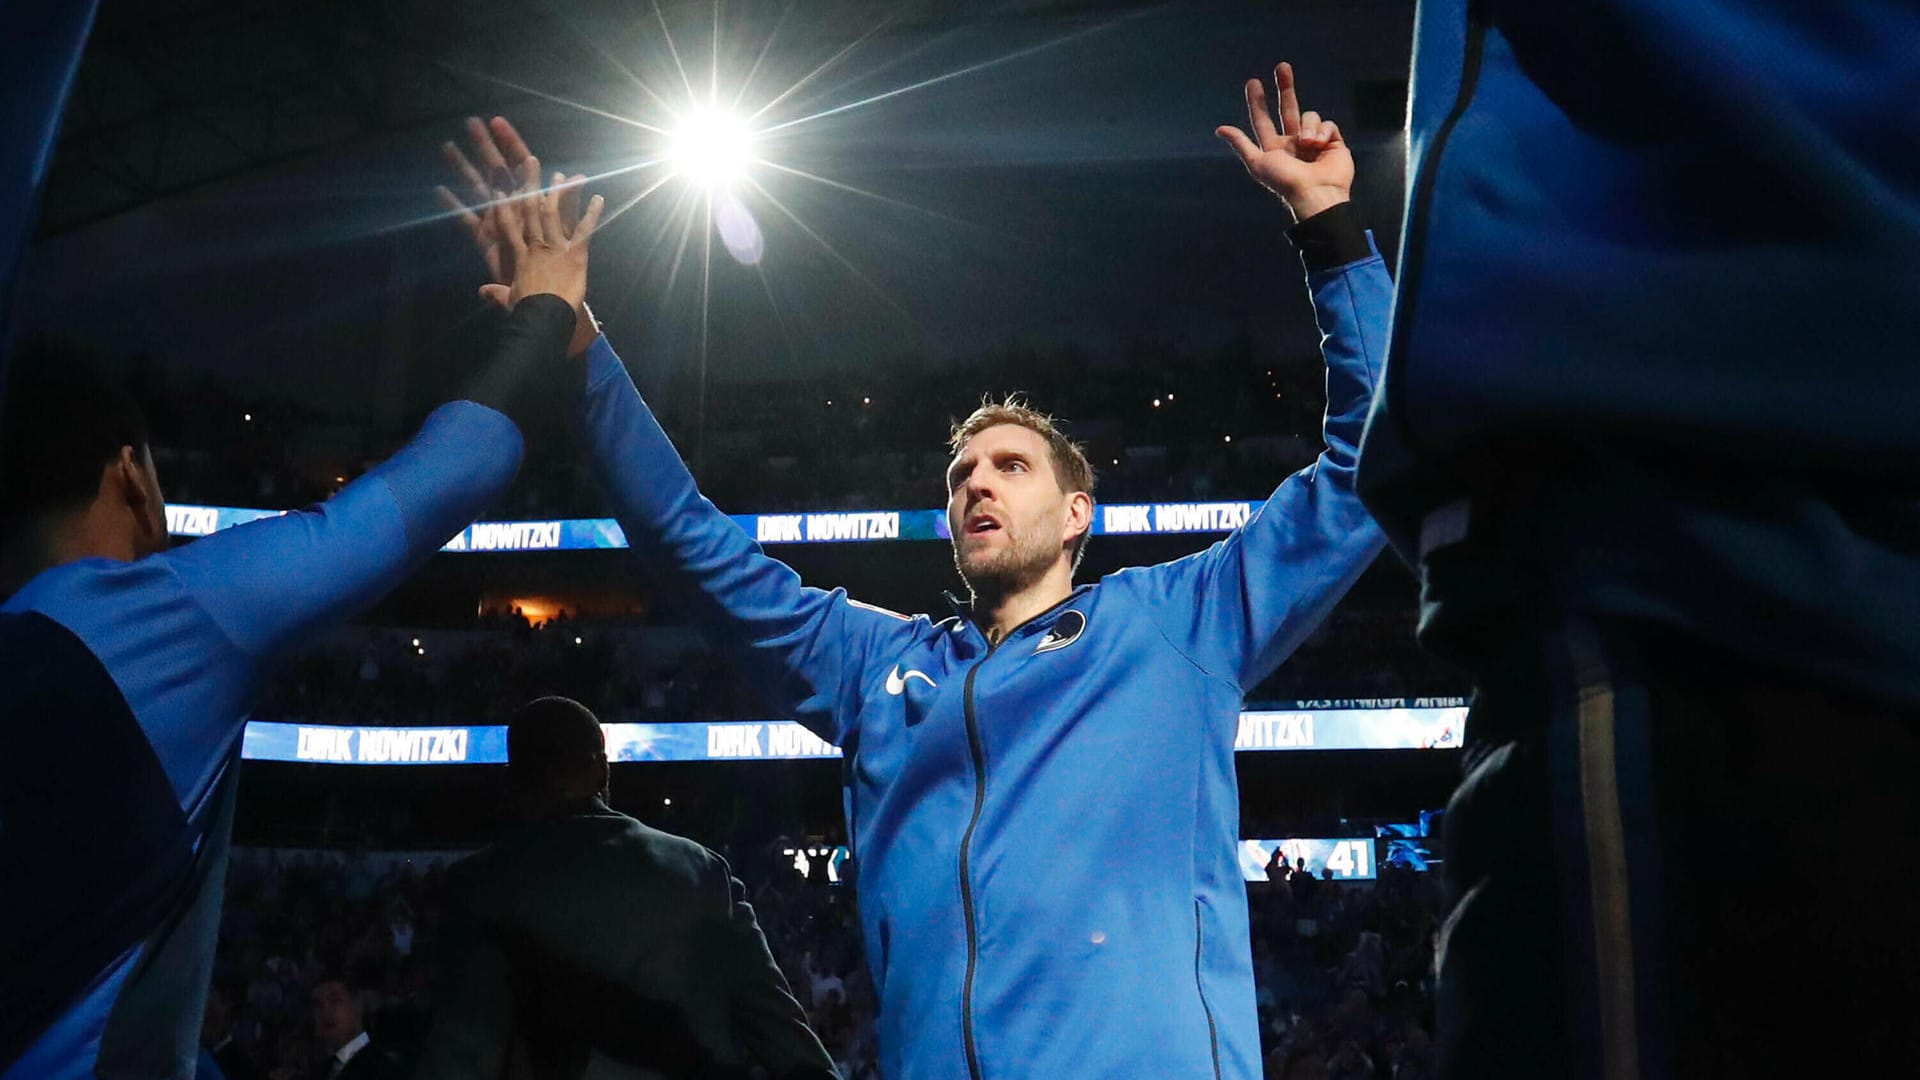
<point x="530" y="369"/>
<point x="1330" y="238"/>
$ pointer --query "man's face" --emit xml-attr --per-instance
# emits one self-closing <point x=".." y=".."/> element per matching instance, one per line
<point x="1005" y="510"/>
<point x="336" y="1015"/>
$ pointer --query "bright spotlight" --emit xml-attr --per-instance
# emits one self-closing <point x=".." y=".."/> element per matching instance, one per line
<point x="711" y="147"/>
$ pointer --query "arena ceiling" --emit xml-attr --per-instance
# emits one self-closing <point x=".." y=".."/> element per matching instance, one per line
<point x="174" y="95"/>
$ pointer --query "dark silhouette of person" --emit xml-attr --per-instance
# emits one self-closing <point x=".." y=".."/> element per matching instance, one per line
<point x="586" y="943"/>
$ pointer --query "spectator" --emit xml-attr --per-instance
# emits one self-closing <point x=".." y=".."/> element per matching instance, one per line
<point x="217" y="1026"/>
<point x="340" y="1033"/>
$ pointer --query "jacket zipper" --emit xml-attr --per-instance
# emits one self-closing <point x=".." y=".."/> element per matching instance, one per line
<point x="1213" y="1033"/>
<point x="966" y="840"/>
<point x="966" y="874"/>
<point x="1414" y="244"/>
<point x="979" y="754"/>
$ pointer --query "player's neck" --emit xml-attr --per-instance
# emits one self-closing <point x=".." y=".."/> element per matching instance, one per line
<point x="95" y="533"/>
<point x="46" y="543"/>
<point x="998" y="616"/>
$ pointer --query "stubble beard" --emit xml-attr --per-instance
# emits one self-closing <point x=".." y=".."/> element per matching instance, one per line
<point x="996" y="574"/>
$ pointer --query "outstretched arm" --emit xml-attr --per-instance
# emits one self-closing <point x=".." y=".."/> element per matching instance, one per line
<point x="1240" y="607"/>
<point x="806" y="648"/>
<point x="269" y="583"/>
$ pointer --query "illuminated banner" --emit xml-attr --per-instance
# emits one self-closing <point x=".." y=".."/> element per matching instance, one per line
<point x="836" y="527"/>
<point x="336" y="745"/>
<point x="784" y="740"/>
<point x="1389" y="728"/>
<point x="765" y="740"/>
<point x="1346" y="859"/>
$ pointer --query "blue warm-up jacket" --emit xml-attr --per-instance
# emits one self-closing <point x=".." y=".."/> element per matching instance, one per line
<point x="1046" y="829"/>
<point x="1657" y="322"/>
<point x="122" y="703"/>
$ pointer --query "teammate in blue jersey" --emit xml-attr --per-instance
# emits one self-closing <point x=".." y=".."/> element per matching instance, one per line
<point x="128" y="669"/>
<point x="1648" y="429"/>
<point x="995" y="759"/>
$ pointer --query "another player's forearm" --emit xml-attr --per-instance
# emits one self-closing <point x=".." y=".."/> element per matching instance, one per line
<point x="270" y="582"/>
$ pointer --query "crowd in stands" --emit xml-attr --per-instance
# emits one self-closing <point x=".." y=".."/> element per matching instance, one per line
<point x="632" y="673"/>
<point x="1160" y="424"/>
<point x="1341" y="970"/>
<point x="627" y="673"/>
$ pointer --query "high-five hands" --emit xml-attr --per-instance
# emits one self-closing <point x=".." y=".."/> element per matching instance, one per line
<point x="502" y="163"/>
<point x="528" y="228"/>
<point x="1305" y="161"/>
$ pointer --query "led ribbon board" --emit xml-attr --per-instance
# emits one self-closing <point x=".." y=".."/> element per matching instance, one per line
<point x="1391" y="728"/>
<point x="1344" y="859"/>
<point x="828" y="527"/>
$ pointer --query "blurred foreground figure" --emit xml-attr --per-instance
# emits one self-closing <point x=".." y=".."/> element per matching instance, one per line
<point x="586" y="945"/>
<point x="1648" y="428"/>
<point x="126" y="673"/>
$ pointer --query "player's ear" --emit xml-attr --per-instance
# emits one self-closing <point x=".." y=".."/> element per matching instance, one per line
<point x="1079" y="515"/>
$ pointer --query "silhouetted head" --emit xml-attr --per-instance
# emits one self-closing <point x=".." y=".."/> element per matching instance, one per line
<point x="76" y="473"/>
<point x="556" y="753"/>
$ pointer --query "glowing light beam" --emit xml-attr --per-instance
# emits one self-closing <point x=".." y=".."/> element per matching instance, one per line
<point x="555" y="98"/>
<point x="674" y="52"/>
<point x="888" y="199"/>
<point x="835" y="252"/>
<point x="970" y="69"/>
<point x="823" y="68"/>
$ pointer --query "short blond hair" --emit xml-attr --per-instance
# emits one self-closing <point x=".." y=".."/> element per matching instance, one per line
<point x="1071" y="469"/>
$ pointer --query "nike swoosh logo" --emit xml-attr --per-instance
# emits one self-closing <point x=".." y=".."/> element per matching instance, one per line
<point x="897" y="683"/>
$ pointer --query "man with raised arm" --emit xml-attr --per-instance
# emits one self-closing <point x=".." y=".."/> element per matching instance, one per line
<point x="995" y="758"/>
<point x="129" y="670"/>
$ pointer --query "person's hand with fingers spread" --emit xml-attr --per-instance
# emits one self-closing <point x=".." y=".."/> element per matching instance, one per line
<point x="500" y="162"/>
<point x="1305" y="161"/>
<point x="547" y="256"/>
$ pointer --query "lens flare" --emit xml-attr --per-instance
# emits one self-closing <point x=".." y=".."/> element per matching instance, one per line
<point x="710" y="147"/>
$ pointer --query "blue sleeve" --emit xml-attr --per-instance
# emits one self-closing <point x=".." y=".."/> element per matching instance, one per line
<point x="1239" y="608"/>
<point x="806" y="648"/>
<point x="268" y="583"/>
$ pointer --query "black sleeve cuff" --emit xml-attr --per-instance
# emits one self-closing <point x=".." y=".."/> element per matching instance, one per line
<point x="530" y="371"/>
<point x="1330" y="238"/>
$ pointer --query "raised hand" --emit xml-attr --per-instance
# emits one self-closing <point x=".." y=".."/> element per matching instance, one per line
<point x="1305" y="161"/>
<point x="547" y="256"/>
<point x="502" y="166"/>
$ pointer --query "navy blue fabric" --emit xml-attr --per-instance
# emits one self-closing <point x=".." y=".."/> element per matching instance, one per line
<point x="1754" y="895"/>
<point x="126" y="793"/>
<point x="1657" y="306"/>
<point x="89" y="868"/>
<point x="40" y="46"/>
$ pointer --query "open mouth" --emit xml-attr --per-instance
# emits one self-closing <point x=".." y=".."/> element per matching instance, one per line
<point x="982" y="523"/>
